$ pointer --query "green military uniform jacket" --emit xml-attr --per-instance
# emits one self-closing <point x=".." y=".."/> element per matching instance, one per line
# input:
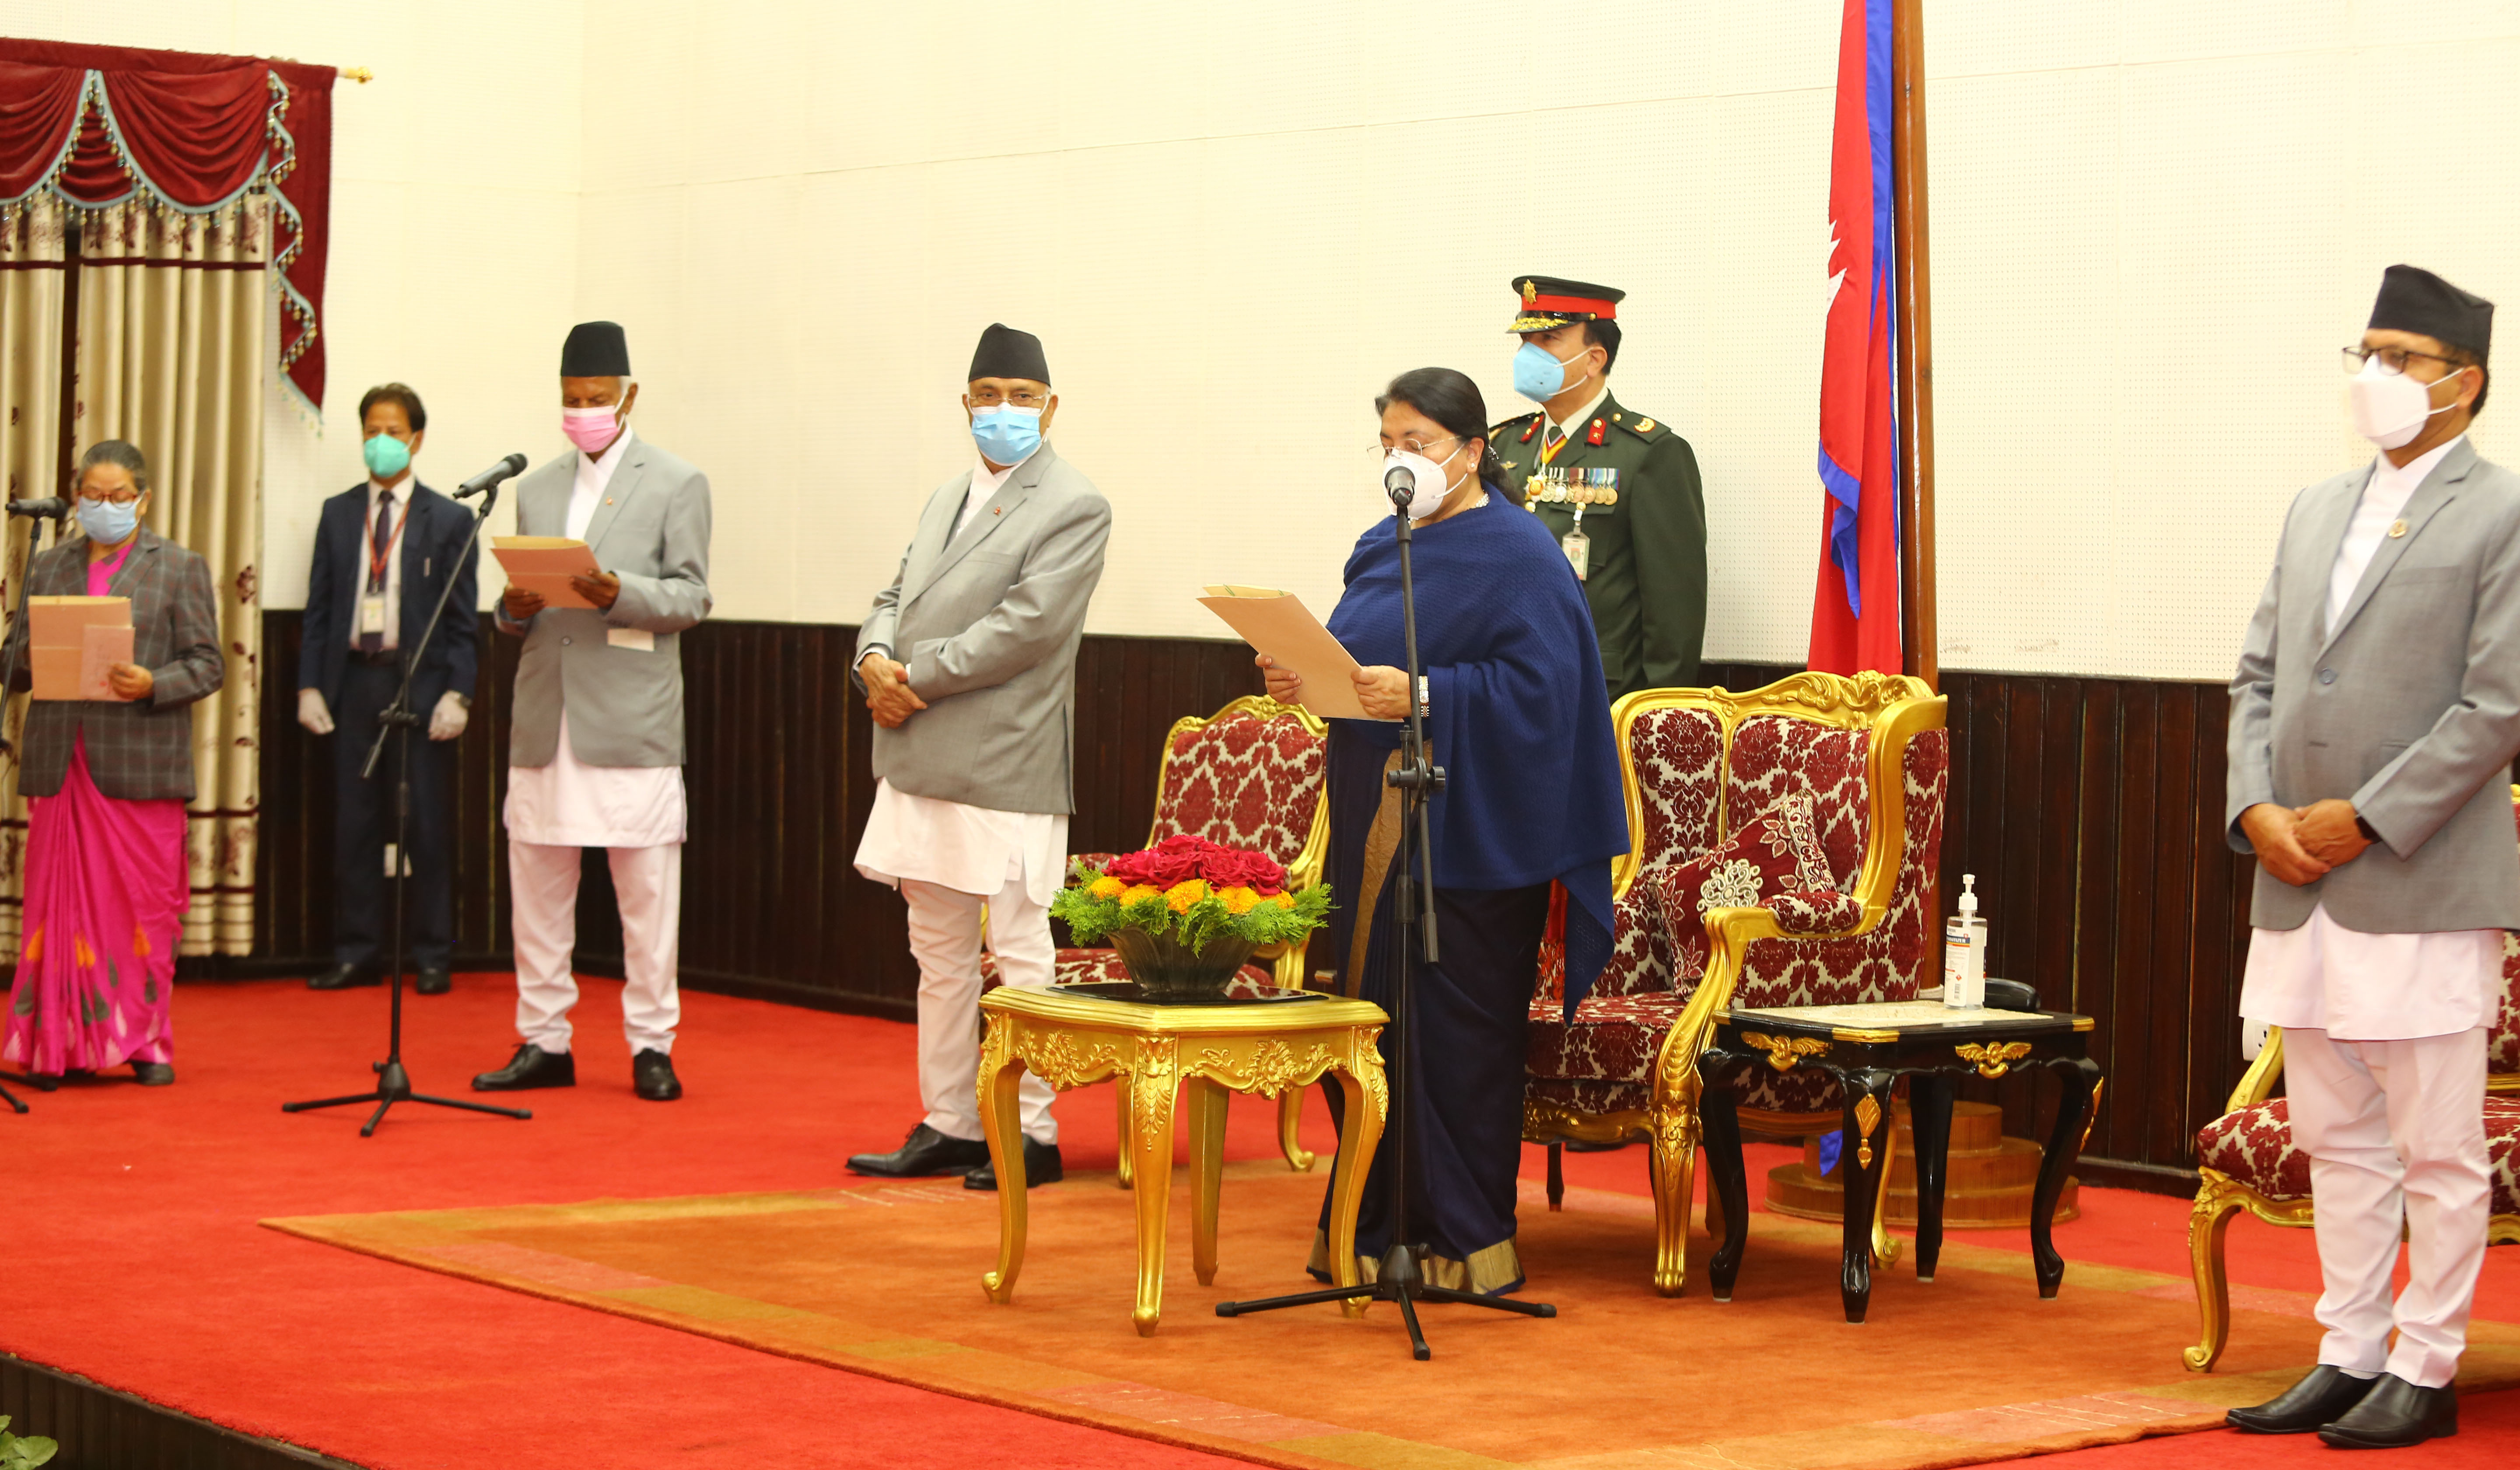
<point x="1645" y="577"/>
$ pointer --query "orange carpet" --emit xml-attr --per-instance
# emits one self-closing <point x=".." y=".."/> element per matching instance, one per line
<point x="883" y="1279"/>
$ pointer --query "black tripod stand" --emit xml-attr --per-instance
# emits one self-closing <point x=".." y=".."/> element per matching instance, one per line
<point x="1398" y="1277"/>
<point x="38" y="512"/>
<point x="393" y="1084"/>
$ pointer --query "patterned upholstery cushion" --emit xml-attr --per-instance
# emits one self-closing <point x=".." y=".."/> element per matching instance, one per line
<point x="1613" y="1038"/>
<point x="2255" y="1146"/>
<point x="1246" y="782"/>
<point x="1778" y="852"/>
<point x="1889" y="962"/>
<point x="1678" y="755"/>
<point x="1775" y="756"/>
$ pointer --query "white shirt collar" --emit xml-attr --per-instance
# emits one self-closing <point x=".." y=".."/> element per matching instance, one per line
<point x="1577" y="420"/>
<point x="595" y="474"/>
<point x="985" y="481"/>
<point x="401" y="492"/>
<point x="2401" y="480"/>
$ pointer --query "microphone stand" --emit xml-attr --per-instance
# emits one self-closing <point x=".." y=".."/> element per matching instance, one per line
<point x="9" y="747"/>
<point x="393" y="1084"/>
<point x="1398" y="1277"/>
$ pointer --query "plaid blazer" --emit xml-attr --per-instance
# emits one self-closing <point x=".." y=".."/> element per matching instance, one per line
<point x="141" y="750"/>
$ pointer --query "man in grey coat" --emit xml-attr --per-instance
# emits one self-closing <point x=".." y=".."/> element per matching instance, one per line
<point x="2374" y="719"/>
<point x="969" y="665"/>
<point x="595" y="757"/>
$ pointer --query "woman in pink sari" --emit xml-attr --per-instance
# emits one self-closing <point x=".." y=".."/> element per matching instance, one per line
<point x="108" y="781"/>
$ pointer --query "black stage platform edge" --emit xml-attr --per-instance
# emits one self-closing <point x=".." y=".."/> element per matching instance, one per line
<point x="99" y="1428"/>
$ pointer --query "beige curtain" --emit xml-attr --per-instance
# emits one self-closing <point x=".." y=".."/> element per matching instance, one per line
<point x="32" y="276"/>
<point x="171" y="357"/>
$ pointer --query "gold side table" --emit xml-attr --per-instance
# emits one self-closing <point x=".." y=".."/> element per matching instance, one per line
<point x="1267" y="1047"/>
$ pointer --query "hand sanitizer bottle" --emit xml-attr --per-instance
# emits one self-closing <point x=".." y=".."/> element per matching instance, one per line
<point x="1965" y="952"/>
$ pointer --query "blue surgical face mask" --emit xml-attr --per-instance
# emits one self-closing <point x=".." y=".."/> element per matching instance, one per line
<point x="1540" y="374"/>
<point x="107" y="524"/>
<point x="386" y="455"/>
<point x="1006" y="434"/>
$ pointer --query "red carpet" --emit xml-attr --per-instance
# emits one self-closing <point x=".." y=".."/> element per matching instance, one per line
<point x="135" y="1259"/>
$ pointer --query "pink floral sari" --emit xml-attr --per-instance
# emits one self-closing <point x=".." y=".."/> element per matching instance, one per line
<point x="106" y="888"/>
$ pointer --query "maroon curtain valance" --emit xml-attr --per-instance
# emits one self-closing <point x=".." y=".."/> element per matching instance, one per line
<point x="97" y="124"/>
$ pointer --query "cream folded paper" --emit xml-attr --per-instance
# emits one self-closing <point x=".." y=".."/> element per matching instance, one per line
<point x="1278" y="624"/>
<point x="544" y="564"/>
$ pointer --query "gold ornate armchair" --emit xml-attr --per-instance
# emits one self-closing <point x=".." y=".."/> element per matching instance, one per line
<point x="1872" y="753"/>
<point x="2246" y="1160"/>
<point x="1249" y="776"/>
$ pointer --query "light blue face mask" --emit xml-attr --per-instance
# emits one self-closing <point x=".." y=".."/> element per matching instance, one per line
<point x="386" y="455"/>
<point x="1006" y="434"/>
<point x="107" y="524"/>
<point x="1539" y="375"/>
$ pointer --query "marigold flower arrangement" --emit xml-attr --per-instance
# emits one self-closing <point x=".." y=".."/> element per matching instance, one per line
<point x="1193" y="891"/>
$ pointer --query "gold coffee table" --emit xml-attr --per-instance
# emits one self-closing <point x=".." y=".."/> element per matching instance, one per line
<point x="1068" y="1037"/>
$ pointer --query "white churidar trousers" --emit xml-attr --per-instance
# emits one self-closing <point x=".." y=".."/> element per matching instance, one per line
<point x="945" y="938"/>
<point x="2394" y="1129"/>
<point x="649" y="883"/>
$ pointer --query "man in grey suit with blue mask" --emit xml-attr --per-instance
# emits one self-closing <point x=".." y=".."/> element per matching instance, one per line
<point x="969" y="665"/>
<point x="2374" y="719"/>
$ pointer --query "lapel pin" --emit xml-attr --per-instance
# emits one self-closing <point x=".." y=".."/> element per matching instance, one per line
<point x="607" y="500"/>
<point x="1001" y="511"/>
<point x="2396" y="528"/>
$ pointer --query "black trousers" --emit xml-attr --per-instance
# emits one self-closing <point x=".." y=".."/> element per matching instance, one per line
<point x="363" y="823"/>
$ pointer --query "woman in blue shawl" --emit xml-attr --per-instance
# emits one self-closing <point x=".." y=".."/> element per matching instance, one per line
<point x="1517" y="718"/>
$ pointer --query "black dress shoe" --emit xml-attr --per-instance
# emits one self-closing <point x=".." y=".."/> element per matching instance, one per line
<point x="530" y="1067"/>
<point x="154" y="1074"/>
<point x="2322" y="1396"/>
<point x="345" y="977"/>
<point x="434" y="981"/>
<point x="924" y="1152"/>
<point x="2393" y="1415"/>
<point x="651" y="1076"/>
<point x="1041" y="1166"/>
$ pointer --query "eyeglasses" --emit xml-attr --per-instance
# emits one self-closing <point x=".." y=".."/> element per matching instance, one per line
<point x="1022" y="398"/>
<point x="2392" y="360"/>
<point x="119" y="497"/>
<point x="1427" y="449"/>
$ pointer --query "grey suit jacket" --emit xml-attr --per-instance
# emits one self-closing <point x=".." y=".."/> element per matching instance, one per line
<point x="988" y="622"/>
<point x="2409" y="707"/>
<point x="625" y="704"/>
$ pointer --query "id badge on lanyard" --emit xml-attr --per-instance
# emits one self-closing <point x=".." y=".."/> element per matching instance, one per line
<point x="372" y="612"/>
<point x="1578" y="547"/>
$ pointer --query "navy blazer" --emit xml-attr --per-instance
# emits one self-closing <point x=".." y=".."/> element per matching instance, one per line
<point x="431" y="546"/>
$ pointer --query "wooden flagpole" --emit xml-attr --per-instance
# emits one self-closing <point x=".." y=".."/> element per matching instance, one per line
<point x="1916" y="369"/>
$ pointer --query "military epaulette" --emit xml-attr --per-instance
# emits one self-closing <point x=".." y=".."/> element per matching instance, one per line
<point x="1643" y="427"/>
<point x="1519" y="428"/>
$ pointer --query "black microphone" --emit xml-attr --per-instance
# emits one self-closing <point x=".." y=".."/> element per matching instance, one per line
<point x="52" y="506"/>
<point x="507" y="468"/>
<point x="1400" y="482"/>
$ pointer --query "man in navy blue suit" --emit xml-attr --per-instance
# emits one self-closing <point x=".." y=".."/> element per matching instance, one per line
<point x="383" y="553"/>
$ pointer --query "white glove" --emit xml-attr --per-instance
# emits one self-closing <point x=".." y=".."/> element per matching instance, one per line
<point x="448" y="720"/>
<point x="312" y="714"/>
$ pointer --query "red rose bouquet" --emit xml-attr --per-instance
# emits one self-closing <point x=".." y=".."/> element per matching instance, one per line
<point x="1193" y="890"/>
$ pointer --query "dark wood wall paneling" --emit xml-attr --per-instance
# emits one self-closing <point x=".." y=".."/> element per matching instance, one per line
<point x="779" y="785"/>
<point x="2088" y="809"/>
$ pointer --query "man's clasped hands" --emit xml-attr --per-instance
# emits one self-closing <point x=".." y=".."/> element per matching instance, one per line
<point x="2302" y="846"/>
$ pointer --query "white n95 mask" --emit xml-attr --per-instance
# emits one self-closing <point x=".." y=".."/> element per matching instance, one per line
<point x="2391" y="408"/>
<point x="1432" y="487"/>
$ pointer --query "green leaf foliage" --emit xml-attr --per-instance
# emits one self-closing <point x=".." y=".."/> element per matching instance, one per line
<point x="23" y="1452"/>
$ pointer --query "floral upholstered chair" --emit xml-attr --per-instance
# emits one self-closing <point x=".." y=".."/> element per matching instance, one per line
<point x="2245" y="1159"/>
<point x="1249" y="776"/>
<point x="1850" y="775"/>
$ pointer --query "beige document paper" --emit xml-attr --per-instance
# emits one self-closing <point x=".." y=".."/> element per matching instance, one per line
<point x="544" y="564"/>
<point x="71" y="642"/>
<point x="1278" y="624"/>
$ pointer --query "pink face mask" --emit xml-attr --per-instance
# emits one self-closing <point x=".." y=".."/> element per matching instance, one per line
<point x="590" y="429"/>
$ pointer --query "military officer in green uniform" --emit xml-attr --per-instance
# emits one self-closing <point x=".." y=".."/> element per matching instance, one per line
<point x="1617" y="488"/>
